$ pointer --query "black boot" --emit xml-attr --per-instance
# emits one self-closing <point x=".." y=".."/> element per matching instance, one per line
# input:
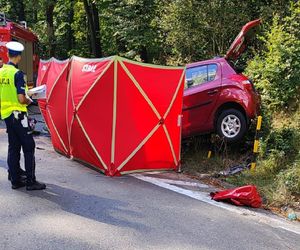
<point x="18" y="184"/>
<point x="35" y="186"/>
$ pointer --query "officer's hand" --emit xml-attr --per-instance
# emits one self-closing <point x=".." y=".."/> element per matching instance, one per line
<point x="34" y="103"/>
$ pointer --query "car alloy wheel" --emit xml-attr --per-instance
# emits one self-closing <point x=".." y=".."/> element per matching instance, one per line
<point x="231" y="126"/>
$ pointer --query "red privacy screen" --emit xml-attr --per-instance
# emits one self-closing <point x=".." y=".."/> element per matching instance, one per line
<point x="114" y="114"/>
<point x="53" y="74"/>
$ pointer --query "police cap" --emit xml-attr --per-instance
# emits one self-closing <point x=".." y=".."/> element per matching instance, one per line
<point x="15" y="48"/>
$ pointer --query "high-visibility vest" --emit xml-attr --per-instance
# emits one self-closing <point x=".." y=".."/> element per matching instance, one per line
<point x="8" y="92"/>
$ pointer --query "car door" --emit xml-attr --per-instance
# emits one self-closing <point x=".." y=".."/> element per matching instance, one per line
<point x="203" y="85"/>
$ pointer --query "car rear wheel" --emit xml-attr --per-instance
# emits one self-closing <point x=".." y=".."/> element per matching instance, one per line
<point x="231" y="125"/>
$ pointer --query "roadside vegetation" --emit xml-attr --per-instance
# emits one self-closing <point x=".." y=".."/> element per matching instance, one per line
<point x="155" y="31"/>
<point x="276" y="72"/>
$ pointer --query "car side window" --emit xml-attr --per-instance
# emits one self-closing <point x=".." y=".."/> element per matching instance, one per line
<point x="212" y="71"/>
<point x="201" y="74"/>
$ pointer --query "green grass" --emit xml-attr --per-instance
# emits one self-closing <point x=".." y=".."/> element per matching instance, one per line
<point x="195" y="155"/>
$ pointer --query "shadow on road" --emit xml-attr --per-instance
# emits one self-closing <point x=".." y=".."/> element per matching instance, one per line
<point x="93" y="207"/>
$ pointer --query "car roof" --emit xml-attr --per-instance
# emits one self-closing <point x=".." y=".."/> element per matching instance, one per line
<point x="210" y="61"/>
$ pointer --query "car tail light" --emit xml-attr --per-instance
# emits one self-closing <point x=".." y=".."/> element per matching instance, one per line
<point x="248" y="85"/>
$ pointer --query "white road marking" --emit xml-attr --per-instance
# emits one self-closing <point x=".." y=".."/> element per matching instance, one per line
<point x="273" y="221"/>
<point x="153" y="172"/>
<point x="183" y="183"/>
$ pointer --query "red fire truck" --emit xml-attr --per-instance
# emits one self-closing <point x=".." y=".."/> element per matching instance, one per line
<point x="10" y="31"/>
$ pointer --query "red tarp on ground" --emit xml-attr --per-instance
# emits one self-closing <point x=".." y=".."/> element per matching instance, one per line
<point x="116" y="115"/>
<point x="240" y="196"/>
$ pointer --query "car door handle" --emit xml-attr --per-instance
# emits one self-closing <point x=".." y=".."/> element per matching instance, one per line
<point x="212" y="92"/>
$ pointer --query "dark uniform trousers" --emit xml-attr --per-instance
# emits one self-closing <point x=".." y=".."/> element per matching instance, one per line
<point x="18" y="137"/>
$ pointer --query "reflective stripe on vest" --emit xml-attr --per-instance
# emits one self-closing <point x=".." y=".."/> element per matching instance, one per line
<point x="8" y="92"/>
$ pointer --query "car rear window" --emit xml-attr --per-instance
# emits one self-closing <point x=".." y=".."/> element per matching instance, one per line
<point x="200" y="74"/>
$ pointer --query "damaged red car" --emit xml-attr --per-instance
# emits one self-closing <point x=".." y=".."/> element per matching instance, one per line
<point x="218" y="98"/>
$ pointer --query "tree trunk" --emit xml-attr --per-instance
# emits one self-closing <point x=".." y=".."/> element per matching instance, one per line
<point x="144" y="54"/>
<point x="94" y="27"/>
<point x="21" y="11"/>
<point x="97" y="30"/>
<point x="70" y="36"/>
<point x="50" y="28"/>
<point x="88" y="39"/>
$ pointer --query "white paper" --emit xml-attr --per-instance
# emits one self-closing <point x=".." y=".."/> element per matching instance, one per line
<point x="38" y="92"/>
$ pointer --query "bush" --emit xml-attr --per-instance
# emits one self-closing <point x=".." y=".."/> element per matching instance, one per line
<point x="283" y="141"/>
<point x="276" y="71"/>
<point x="290" y="178"/>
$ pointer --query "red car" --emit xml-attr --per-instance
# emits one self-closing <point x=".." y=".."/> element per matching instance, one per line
<point x="217" y="98"/>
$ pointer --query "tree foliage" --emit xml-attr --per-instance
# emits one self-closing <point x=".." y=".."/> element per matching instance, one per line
<point x="276" y="70"/>
<point x="158" y="31"/>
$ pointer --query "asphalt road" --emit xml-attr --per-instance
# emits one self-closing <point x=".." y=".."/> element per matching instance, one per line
<point x="82" y="209"/>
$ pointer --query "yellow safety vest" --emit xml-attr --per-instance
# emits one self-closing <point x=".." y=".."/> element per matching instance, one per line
<point x="8" y="92"/>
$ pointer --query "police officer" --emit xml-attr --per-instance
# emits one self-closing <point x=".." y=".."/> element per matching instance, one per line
<point x="14" y="102"/>
<point x="22" y="173"/>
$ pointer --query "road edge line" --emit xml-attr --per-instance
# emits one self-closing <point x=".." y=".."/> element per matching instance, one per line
<point x="269" y="220"/>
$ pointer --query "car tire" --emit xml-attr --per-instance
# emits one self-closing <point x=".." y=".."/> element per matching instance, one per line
<point x="231" y="125"/>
